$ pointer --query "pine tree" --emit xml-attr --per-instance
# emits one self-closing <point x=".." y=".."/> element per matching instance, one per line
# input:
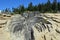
<point x="30" y="7"/>
<point x="48" y="6"/>
<point x="7" y="10"/>
<point x="39" y="7"/>
<point x="58" y="6"/>
<point x="35" y="8"/>
<point x="54" y="6"/>
<point x="21" y="9"/>
<point x="15" y="10"/>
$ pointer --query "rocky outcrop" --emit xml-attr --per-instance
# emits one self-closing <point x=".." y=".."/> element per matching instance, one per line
<point x="4" y="35"/>
<point x="34" y="26"/>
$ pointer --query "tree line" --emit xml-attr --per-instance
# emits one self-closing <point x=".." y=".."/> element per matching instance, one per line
<point x="53" y="7"/>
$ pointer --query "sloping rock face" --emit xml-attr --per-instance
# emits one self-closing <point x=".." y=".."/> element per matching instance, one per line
<point x="34" y="26"/>
<point x="4" y="35"/>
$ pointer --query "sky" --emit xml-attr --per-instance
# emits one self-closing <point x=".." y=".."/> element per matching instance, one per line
<point x="15" y="3"/>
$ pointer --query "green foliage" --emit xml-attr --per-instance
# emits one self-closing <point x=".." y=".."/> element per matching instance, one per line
<point x="19" y="10"/>
<point x="54" y="6"/>
<point x="39" y="7"/>
<point x="7" y="10"/>
<point x="35" y="8"/>
<point x="58" y="6"/>
<point x="47" y="7"/>
<point x="15" y="10"/>
<point x="30" y="7"/>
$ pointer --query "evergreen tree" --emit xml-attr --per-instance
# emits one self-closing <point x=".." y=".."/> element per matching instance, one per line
<point x="48" y="6"/>
<point x="30" y="7"/>
<point x="54" y="6"/>
<point x="58" y="6"/>
<point x="21" y="9"/>
<point x="15" y="10"/>
<point x="7" y="10"/>
<point x="35" y="8"/>
<point x="43" y="8"/>
<point x="39" y="7"/>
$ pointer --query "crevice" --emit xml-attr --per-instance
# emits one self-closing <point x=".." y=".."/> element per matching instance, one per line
<point x="44" y="37"/>
<point x="32" y="35"/>
<point x="51" y="39"/>
<point x="48" y="28"/>
<point x="57" y="31"/>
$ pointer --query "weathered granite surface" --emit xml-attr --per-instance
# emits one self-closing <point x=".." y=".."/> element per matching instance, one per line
<point x="33" y="26"/>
